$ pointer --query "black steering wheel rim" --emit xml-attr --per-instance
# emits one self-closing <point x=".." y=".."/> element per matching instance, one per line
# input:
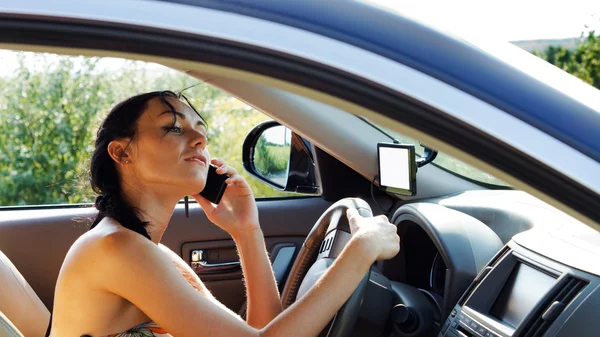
<point x="334" y="218"/>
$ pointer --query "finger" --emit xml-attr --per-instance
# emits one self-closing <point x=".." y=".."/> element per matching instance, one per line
<point x="352" y="214"/>
<point x="222" y="169"/>
<point x="206" y="205"/>
<point x="353" y="220"/>
<point x="237" y="180"/>
<point x="217" y="162"/>
<point x="231" y="171"/>
<point x="225" y="169"/>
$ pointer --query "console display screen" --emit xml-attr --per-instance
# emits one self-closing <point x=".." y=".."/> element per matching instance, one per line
<point x="523" y="290"/>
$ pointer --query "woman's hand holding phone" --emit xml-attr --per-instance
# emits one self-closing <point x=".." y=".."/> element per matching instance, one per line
<point x="237" y="212"/>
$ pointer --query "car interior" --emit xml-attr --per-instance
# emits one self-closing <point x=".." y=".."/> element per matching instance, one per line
<point x="476" y="259"/>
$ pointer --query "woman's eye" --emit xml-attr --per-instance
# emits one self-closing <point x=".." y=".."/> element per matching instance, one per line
<point x="175" y="129"/>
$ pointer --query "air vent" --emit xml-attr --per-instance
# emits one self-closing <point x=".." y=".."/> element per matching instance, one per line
<point x="553" y="307"/>
<point x="493" y="262"/>
<point x="505" y="250"/>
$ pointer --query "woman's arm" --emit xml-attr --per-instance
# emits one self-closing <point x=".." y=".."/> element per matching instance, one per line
<point x="238" y="215"/>
<point x="264" y="303"/>
<point x="134" y="268"/>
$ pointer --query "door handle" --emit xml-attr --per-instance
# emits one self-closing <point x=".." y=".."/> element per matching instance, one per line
<point x="201" y="266"/>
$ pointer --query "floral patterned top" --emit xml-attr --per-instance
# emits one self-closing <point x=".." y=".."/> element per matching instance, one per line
<point x="148" y="329"/>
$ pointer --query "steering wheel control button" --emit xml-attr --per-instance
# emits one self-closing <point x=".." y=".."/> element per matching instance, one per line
<point x="453" y="314"/>
<point x="482" y="331"/>
<point x="326" y="249"/>
<point x="454" y="324"/>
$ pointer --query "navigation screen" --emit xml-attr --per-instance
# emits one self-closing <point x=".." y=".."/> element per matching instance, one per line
<point x="397" y="168"/>
<point x="523" y="290"/>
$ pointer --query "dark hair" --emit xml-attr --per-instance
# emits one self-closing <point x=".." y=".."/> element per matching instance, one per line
<point x="121" y="122"/>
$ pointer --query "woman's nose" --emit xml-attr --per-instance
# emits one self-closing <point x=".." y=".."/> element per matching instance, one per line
<point x="198" y="139"/>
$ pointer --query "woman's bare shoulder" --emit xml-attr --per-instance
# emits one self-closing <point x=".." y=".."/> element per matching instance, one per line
<point x="107" y="245"/>
<point x="108" y="234"/>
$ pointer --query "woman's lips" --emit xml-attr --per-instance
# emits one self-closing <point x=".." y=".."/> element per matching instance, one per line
<point x="198" y="160"/>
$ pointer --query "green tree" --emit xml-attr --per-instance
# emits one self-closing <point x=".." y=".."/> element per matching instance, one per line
<point x="583" y="62"/>
<point x="45" y="131"/>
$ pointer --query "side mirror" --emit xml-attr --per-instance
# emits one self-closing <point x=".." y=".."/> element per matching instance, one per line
<point x="278" y="157"/>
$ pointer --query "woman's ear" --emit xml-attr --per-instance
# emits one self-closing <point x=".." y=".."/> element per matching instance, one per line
<point x="117" y="149"/>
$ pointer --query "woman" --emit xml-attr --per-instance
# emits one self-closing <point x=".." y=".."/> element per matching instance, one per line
<point x="117" y="279"/>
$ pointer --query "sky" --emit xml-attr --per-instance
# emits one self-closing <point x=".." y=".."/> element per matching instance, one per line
<point x="507" y="20"/>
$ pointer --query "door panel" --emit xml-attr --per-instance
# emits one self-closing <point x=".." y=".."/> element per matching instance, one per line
<point x="227" y="286"/>
<point x="229" y="292"/>
<point x="36" y="240"/>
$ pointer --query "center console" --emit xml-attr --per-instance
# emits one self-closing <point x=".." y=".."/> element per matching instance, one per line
<point x="523" y="294"/>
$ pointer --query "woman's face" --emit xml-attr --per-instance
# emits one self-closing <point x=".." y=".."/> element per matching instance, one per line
<point x="173" y="158"/>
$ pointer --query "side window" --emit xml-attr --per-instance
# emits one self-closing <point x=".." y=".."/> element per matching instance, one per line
<point x="51" y="107"/>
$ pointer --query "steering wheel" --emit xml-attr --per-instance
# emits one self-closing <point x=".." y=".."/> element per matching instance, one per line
<point x="326" y="240"/>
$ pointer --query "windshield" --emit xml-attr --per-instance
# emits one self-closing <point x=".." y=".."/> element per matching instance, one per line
<point x="450" y="163"/>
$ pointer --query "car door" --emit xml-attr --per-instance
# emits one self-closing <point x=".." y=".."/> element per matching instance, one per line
<point x="36" y="240"/>
<point x="399" y="87"/>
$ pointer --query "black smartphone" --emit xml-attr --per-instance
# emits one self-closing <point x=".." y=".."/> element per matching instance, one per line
<point x="215" y="185"/>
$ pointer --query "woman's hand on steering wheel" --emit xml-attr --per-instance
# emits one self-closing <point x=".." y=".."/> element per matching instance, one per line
<point x="237" y="212"/>
<point x="379" y="235"/>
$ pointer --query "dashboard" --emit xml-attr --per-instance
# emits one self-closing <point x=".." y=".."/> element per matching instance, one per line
<point x="494" y="264"/>
<point x="524" y="293"/>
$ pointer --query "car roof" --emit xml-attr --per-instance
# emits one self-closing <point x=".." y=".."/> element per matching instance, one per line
<point x="457" y="62"/>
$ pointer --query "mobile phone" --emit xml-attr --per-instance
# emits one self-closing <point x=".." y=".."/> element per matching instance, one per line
<point x="215" y="185"/>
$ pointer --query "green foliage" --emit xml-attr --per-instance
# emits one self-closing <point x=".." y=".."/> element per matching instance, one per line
<point x="48" y="121"/>
<point x="271" y="160"/>
<point x="46" y="131"/>
<point x="276" y="158"/>
<point x="583" y="62"/>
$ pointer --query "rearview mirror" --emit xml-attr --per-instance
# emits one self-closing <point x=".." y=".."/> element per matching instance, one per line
<point x="278" y="157"/>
